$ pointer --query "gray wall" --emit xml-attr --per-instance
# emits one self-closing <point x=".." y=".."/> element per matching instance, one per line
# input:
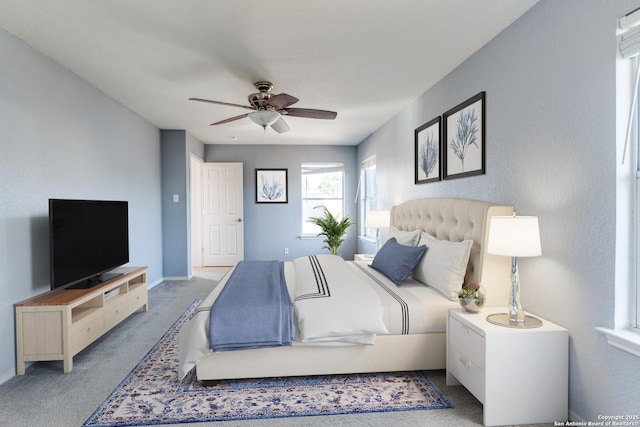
<point x="550" y="83"/>
<point x="176" y="148"/>
<point x="551" y="132"/>
<point x="269" y="228"/>
<point x="62" y="138"/>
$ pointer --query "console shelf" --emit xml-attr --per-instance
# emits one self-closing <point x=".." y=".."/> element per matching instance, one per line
<point x="59" y="324"/>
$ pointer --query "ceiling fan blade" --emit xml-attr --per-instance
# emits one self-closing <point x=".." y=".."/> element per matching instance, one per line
<point x="231" y="119"/>
<point x="281" y="100"/>
<point x="280" y="126"/>
<point x="310" y="113"/>
<point x="228" y="104"/>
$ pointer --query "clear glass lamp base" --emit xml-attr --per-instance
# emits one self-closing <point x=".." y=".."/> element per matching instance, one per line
<point x="516" y="317"/>
<point x="502" y="319"/>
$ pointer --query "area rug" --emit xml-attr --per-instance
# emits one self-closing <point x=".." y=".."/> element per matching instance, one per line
<point x="151" y="394"/>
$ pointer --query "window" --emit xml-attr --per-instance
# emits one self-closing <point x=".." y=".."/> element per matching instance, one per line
<point x="626" y="333"/>
<point x="628" y="76"/>
<point x="322" y="185"/>
<point x="367" y="193"/>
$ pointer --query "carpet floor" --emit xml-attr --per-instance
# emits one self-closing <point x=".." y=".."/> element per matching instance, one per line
<point x="47" y="397"/>
<point x="152" y="393"/>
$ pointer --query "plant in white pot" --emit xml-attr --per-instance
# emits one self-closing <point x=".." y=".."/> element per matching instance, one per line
<point x="333" y="230"/>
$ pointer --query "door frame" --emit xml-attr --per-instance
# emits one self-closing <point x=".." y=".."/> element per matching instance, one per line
<point x="195" y="209"/>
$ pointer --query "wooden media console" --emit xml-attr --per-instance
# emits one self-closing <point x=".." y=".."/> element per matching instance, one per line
<point x="59" y="324"/>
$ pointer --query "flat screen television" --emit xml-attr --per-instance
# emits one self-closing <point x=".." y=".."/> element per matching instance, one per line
<point x="87" y="239"/>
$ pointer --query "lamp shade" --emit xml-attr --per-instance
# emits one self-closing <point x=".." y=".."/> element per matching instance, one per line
<point x="515" y="236"/>
<point x="264" y="117"/>
<point x="377" y="219"/>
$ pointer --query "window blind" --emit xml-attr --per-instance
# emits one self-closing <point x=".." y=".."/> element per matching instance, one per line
<point x="629" y="43"/>
<point x="629" y="47"/>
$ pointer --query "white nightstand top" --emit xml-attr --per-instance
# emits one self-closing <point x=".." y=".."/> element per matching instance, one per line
<point x="364" y="257"/>
<point x="478" y="321"/>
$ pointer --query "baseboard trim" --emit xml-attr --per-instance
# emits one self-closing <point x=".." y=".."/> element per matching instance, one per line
<point x="574" y="417"/>
<point x="154" y="284"/>
<point x="176" y="278"/>
<point x="7" y="376"/>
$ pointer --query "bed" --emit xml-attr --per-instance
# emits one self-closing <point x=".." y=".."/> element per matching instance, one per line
<point x="442" y="221"/>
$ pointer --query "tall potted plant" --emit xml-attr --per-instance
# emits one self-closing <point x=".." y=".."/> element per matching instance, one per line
<point x="333" y="230"/>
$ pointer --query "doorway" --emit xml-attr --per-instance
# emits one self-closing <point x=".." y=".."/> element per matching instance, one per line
<point x="217" y="223"/>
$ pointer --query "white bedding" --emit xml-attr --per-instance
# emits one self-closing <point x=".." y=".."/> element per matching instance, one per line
<point x="411" y="308"/>
<point x="334" y="304"/>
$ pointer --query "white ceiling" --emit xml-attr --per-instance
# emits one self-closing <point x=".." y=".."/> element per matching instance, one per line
<point x="365" y="59"/>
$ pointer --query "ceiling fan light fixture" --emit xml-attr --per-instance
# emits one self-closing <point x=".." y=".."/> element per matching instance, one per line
<point x="264" y="118"/>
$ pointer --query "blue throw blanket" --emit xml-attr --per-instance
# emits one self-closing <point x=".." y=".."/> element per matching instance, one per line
<point x="253" y="310"/>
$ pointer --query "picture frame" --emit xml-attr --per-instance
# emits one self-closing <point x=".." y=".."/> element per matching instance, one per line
<point x="428" y="152"/>
<point x="272" y="186"/>
<point x="464" y="138"/>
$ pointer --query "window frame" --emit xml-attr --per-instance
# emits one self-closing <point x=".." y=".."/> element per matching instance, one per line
<point x="625" y="333"/>
<point x="628" y="294"/>
<point x="319" y="167"/>
<point x="367" y="199"/>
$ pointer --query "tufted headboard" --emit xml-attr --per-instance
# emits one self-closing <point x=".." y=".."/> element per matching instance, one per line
<point x="457" y="220"/>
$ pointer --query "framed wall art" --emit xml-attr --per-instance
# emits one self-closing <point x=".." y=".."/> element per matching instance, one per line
<point x="464" y="138"/>
<point x="271" y="186"/>
<point x="428" y="147"/>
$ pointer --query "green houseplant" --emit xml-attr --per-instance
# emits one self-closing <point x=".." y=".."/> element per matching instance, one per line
<point x="333" y="230"/>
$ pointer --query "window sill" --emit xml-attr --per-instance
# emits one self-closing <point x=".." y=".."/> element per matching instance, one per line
<point x="367" y="239"/>
<point x="309" y="236"/>
<point x="624" y="339"/>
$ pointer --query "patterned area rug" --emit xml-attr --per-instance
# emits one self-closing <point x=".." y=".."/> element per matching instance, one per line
<point x="151" y="393"/>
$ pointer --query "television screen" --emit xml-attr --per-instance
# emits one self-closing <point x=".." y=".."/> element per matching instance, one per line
<point x="86" y="239"/>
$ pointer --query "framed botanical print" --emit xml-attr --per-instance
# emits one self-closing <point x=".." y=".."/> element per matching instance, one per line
<point x="464" y="138"/>
<point x="271" y="186"/>
<point x="427" y="152"/>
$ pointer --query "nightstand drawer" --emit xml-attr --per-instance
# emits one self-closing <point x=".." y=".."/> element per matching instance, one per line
<point x="468" y="342"/>
<point x="467" y="372"/>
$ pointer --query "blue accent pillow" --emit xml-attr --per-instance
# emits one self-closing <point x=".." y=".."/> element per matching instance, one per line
<point x="397" y="261"/>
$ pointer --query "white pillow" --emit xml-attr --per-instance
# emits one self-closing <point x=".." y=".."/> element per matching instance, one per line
<point x="404" y="238"/>
<point x="444" y="265"/>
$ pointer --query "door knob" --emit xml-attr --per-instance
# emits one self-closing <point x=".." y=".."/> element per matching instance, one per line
<point x="239" y="220"/>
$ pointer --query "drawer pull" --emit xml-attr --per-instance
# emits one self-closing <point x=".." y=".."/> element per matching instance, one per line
<point x="464" y="361"/>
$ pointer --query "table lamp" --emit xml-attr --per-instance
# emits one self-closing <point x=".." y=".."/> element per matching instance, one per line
<point x="377" y="220"/>
<point x="514" y="236"/>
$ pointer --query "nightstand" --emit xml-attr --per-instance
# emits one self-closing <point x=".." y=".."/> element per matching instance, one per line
<point x="364" y="257"/>
<point x="520" y="375"/>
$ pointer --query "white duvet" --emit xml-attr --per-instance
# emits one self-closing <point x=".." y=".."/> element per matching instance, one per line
<point x="336" y="303"/>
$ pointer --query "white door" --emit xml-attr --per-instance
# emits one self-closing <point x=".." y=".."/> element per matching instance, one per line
<point x="223" y="243"/>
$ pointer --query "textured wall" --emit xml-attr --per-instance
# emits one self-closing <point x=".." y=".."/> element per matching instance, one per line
<point x="269" y="228"/>
<point x="550" y="83"/>
<point x="62" y="138"/>
<point x="176" y="146"/>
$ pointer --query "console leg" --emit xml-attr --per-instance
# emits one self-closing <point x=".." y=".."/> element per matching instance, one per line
<point x="67" y="365"/>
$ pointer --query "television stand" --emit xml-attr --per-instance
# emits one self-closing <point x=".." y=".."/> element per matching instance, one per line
<point x="95" y="281"/>
<point x="58" y="324"/>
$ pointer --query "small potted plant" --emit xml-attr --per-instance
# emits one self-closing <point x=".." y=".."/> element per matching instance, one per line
<point x="472" y="297"/>
<point x="333" y="230"/>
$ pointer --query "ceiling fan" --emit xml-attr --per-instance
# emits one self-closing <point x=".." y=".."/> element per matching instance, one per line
<point x="269" y="108"/>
